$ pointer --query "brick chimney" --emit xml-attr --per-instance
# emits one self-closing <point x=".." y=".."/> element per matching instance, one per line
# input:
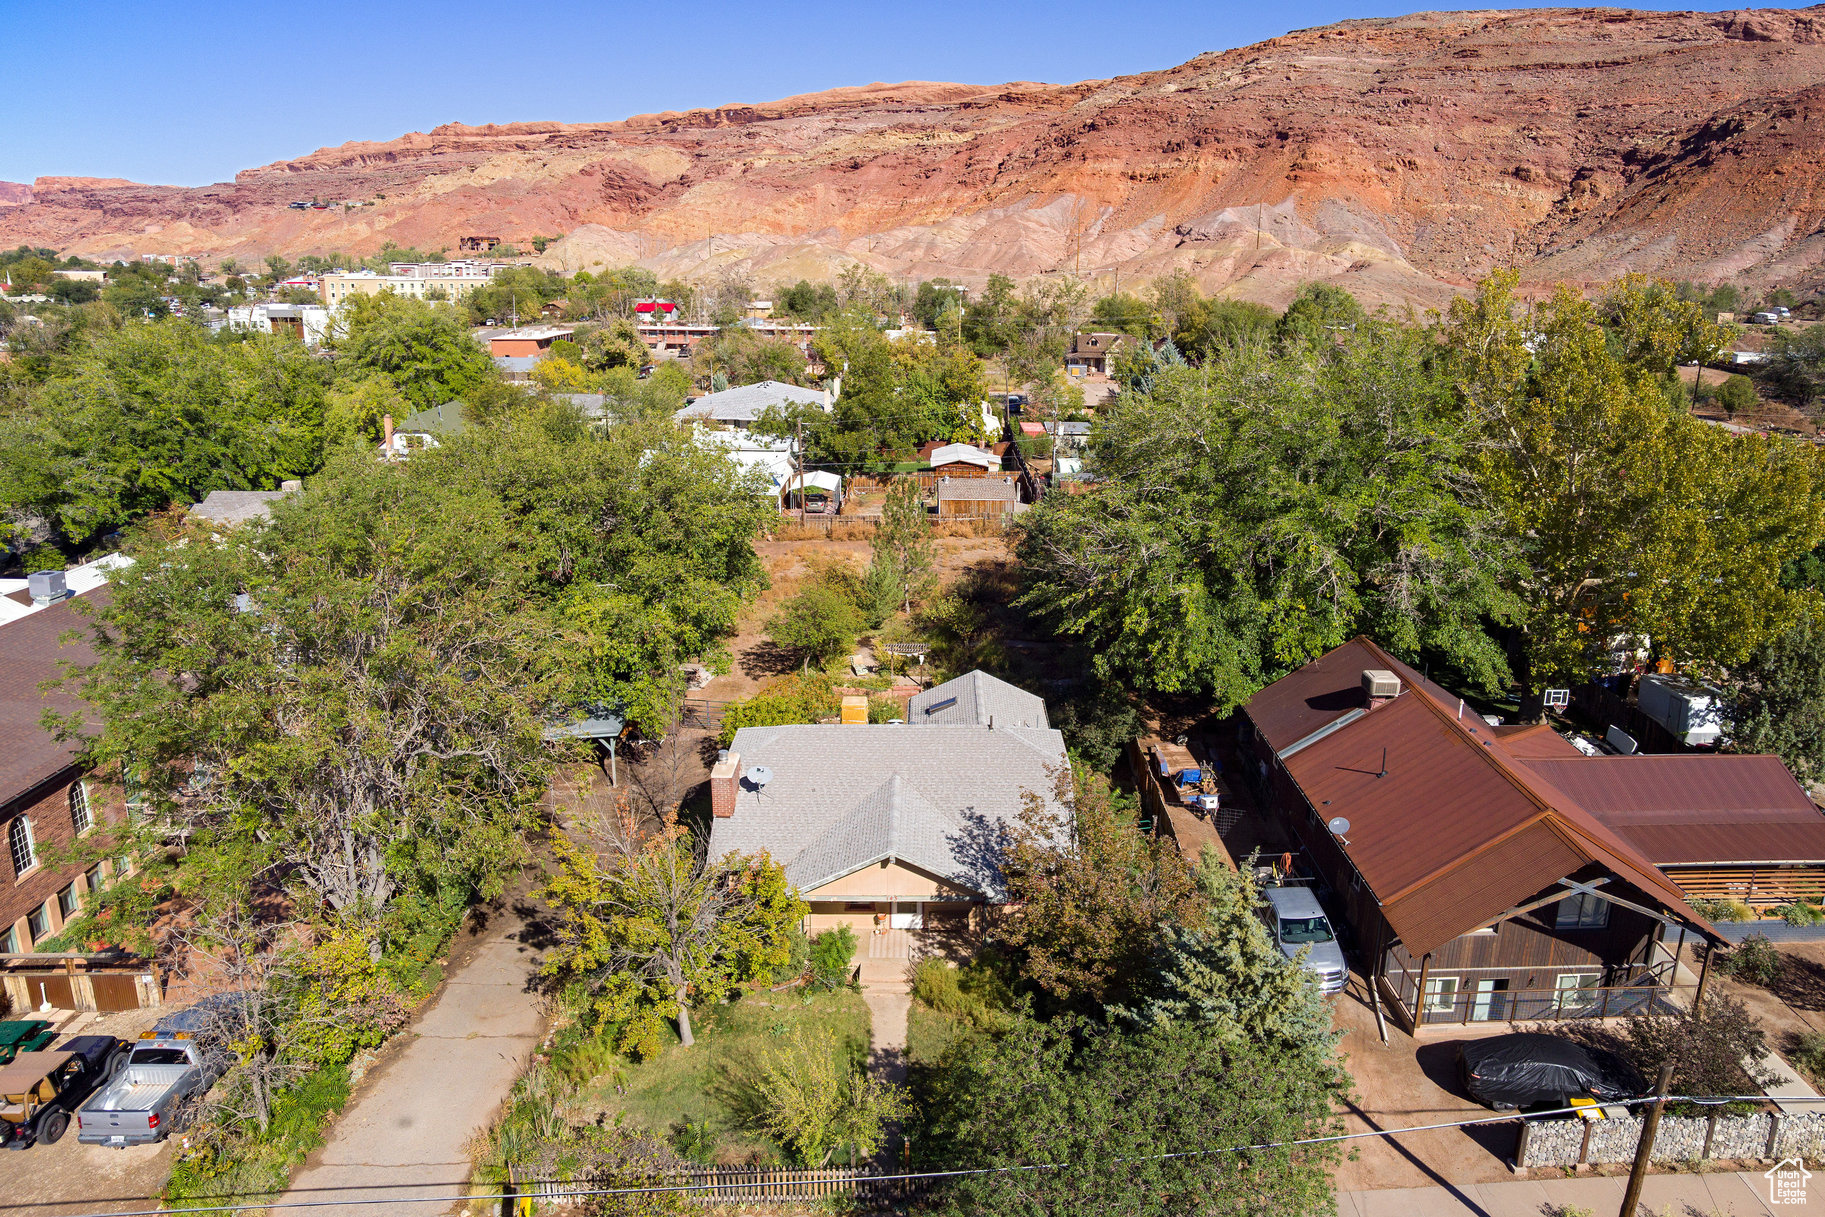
<point x="725" y="782"/>
<point x="1379" y="686"/>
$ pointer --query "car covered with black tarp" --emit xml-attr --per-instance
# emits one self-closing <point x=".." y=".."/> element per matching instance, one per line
<point x="1529" y="1069"/>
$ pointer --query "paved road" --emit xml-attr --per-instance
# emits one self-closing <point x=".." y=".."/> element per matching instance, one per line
<point x="407" y="1131"/>
<point x="1721" y="1195"/>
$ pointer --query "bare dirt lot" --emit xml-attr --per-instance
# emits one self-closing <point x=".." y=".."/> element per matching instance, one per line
<point x="788" y="563"/>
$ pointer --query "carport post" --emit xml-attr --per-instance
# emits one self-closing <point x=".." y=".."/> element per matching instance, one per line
<point x="1644" y="1148"/>
<point x="1704" y="974"/>
<point x="1419" y="1004"/>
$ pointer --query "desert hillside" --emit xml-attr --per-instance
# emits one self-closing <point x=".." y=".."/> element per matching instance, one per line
<point x="1399" y="157"/>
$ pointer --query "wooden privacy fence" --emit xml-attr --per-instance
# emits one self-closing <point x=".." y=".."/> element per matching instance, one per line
<point x="717" y="1184"/>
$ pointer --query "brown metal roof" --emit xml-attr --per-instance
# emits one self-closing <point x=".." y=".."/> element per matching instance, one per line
<point x="1453" y="831"/>
<point x="1527" y="741"/>
<point x="30" y="654"/>
<point x="1321" y="692"/>
<point x="1697" y="808"/>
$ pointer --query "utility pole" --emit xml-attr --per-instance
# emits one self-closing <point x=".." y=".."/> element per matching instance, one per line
<point x="1650" y="1125"/>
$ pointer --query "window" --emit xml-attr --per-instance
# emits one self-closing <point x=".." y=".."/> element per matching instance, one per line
<point x="123" y="865"/>
<point x="1441" y="995"/>
<point x="19" y="841"/>
<point x="79" y="808"/>
<point x="38" y="922"/>
<point x="9" y="942"/>
<point x="93" y="877"/>
<point x="66" y="902"/>
<point x="1576" y="988"/>
<point x="1585" y="911"/>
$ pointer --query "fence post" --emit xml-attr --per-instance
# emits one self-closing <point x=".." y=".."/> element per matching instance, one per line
<point x="1520" y="1146"/>
<point x="1774" y="1134"/>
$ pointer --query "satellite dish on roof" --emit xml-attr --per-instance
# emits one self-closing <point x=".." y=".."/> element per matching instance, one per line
<point x="1338" y="826"/>
<point x="759" y="776"/>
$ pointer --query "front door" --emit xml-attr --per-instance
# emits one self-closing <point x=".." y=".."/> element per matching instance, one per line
<point x="907" y="916"/>
<point x="1490" y="1001"/>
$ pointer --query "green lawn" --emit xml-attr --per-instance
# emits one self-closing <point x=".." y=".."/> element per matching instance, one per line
<point x="702" y="1083"/>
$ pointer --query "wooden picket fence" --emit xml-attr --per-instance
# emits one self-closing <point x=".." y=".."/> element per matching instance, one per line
<point x="715" y="1184"/>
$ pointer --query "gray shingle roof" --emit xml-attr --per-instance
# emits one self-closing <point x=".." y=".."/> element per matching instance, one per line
<point x="977" y="490"/>
<point x="977" y="697"/>
<point x="447" y="419"/>
<point x="236" y="506"/>
<point x="843" y="797"/>
<point x="746" y="403"/>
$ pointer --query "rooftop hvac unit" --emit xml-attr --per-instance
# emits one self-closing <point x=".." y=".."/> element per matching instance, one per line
<point x="1380" y="683"/>
<point x="47" y="586"/>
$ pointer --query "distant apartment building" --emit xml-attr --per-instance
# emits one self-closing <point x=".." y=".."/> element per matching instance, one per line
<point x="339" y="287"/>
<point x="464" y="270"/>
<point x="306" y="322"/>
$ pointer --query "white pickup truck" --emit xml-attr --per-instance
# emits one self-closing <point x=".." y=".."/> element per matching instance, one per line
<point x="141" y="1104"/>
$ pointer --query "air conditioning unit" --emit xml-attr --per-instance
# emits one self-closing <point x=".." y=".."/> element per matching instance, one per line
<point x="1380" y="683"/>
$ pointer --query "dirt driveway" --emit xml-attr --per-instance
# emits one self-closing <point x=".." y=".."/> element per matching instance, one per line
<point x="69" y="1177"/>
<point x="1400" y="1085"/>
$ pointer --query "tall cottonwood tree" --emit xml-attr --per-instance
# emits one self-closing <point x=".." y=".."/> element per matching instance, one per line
<point x="356" y="689"/>
<point x="1248" y="515"/>
<point x="1633" y="519"/>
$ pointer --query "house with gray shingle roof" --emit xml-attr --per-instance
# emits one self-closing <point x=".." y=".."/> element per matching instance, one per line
<point x="741" y="407"/>
<point x="882" y="826"/>
<point x="231" y="507"/>
<point x="977" y="699"/>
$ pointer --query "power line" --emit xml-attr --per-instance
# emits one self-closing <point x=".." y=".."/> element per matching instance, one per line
<point x="962" y="1172"/>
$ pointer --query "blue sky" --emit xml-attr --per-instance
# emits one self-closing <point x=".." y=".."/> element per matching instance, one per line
<point x="189" y="93"/>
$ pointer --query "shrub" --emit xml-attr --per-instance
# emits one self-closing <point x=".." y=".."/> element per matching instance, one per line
<point x="814" y="1099"/>
<point x="1802" y="913"/>
<point x="802" y="698"/>
<point x="831" y="953"/>
<point x="1754" y="960"/>
<point x="583" y="1060"/>
<point x="1731" y="909"/>
<point x="977" y="993"/>
<point x="821" y="622"/>
<point x="1809" y="1053"/>
<point x="1736" y="394"/>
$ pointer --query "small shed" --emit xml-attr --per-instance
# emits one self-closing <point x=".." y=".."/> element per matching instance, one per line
<point x="963" y="460"/>
<point x="994" y="495"/>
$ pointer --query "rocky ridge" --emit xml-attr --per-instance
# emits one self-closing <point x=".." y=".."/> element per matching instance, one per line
<point x="1401" y="158"/>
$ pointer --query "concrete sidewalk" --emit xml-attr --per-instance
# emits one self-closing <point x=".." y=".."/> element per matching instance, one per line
<point x="408" y="1128"/>
<point x="1720" y="1195"/>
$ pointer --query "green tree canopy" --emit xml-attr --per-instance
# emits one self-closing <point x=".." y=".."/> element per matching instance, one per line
<point x="1108" y="1120"/>
<point x="1777" y="699"/>
<point x="1633" y="518"/>
<point x="137" y="418"/>
<point x="423" y="348"/>
<point x="1247" y="516"/>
